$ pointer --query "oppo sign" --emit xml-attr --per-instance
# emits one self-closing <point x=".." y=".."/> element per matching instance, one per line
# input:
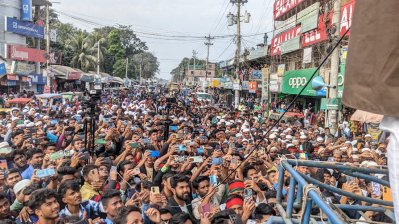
<point x="297" y="82"/>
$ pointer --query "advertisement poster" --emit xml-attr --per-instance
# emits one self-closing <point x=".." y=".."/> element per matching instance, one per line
<point x="24" y="28"/>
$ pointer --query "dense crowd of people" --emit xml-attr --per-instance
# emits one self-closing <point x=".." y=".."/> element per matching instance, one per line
<point x="158" y="159"/>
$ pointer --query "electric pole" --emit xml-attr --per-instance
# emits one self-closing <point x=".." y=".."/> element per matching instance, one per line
<point x="98" y="57"/>
<point x="48" y="46"/>
<point x="127" y="65"/>
<point x="332" y="115"/>
<point x="236" y="19"/>
<point x="208" y="44"/>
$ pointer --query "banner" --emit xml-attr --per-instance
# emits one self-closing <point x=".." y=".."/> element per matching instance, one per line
<point x="256" y="75"/>
<point x="25" y="54"/>
<point x="315" y="36"/>
<point x="346" y="17"/>
<point x="281" y="38"/>
<point x="280" y="7"/>
<point x="281" y="69"/>
<point x="56" y="58"/>
<point x="308" y="17"/>
<point x="22" y="68"/>
<point x="291" y="45"/>
<point x="307" y="55"/>
<point x="26" y="14"/>
<point x="3" y="70"/>
<point x="244" y="85"/>
<point x="24" y="28"/>
<point x="252" y="86"/>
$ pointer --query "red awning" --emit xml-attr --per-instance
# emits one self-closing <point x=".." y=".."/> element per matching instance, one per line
<point x="19" y="100"/>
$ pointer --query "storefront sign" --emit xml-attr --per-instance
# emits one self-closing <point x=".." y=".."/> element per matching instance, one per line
<point x="3" y="70"/>
<point x="295" y="80"/>
<point x="23" y="68"/>
<point x="281" y="7"/>
<point x="56" y="58"/>
<point x="287" y="24"/>
<point x="308" y="17"/>
<point x="215" y="82"/>
<point x="24" y="28"/>
<point x="346" y="17"/>
<point x="341" y="74"/>
<point x="25" y="54"/>
<point x="281" y="38"/>
<point x="331" y="104"/>
<point x="256" y="75"/>
<point x="281" y="69"/>
<point x="26" y="14"/>
<point x="73" y="75"/>
<point x="317" y="35"/>
<point x="11" y="83"/>
<point x="252" y="86"/>
<point x="291" y="45"/>
<point x="228" y="85"/>
<point x="244" y="85"/>
<point x="38" y="79"/>
<point x="275" y="86"/>
<point x="12" y="77"/>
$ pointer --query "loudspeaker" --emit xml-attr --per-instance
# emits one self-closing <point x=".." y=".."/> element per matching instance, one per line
<point x="318" y="83"/>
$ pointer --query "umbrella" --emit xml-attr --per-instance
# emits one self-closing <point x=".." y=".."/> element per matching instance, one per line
<point x="366" y="117"/>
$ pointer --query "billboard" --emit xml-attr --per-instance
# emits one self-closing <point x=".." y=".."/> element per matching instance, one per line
<point x="26" y="13"/>
<point x="346" y="17"/>
<point x="281" y="38"/>
<point x="308" y="17"/>
<point x="281" y="7"/>
<point x="24" y="28"/>
<point x="25" y="54"/>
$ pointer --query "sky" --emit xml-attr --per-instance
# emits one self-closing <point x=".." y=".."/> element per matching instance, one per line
<point x="176" y="26"/>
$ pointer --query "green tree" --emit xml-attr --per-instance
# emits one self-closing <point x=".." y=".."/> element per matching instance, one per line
<point x="83" y="54"/>
<point x="149" y="65"/>
<point x="176" y="76"/>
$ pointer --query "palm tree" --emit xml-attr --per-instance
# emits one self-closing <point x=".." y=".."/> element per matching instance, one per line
<point x="82" y="48"/>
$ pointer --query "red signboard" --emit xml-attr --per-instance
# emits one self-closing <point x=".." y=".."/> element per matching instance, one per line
<point x="317" y="35"/>
<point x="73" y="76"/>
<point x="25" y="54"/>
<point x="12" y="77"/>
<point x="346" y="17"/>
<point x="283" y="37"/>
<point x="281" y="7"/>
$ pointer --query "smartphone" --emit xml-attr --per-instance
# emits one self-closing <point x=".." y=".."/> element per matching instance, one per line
<point x="45" y="173"/>
<point x="135" y="145"/>
<point x="217" y="161"/>
<point x="155" y="190"/>
<point x="196" y="159"/>
<point x="146" y="141"/>
<point x="3" y="165"/>
<point x="107" y="160"/>
<point x="180" y="159"/>
<point x="376" y="188"/>
<point x="155" y="154"/>
<point x="247" y="194"/>
<point x="5" y="150"/>
<point x="57" y="155"/>
<point x="206" y="208"/>
<point x="182" y="148"/>
<point x="200" y="150"/>
<point x="113" y="168"/>
<point x="85" y="156"/>
<point x="213" y="180"/>
<point x="350" y="179"/>
<point x="136" y="171"/>
<point x="173" y="128"/>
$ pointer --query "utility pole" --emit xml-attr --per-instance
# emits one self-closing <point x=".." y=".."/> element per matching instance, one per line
<point x="49" y="75"/>
<point x="237" y="20"/>
<point x="208" y="44"/>
<point x="127" y="65"/>
<point x="332" y="115"/>
<point x="98" y="58"/>
<point x="141" y="70"/>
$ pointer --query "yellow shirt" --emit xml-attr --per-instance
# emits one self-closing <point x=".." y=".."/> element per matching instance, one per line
<point x="88" y="192"/>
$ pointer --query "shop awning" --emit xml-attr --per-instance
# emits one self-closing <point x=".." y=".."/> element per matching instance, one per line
<point x="19" y="101"/>
<point x="117" y="80"/>
<point x="65" y="72"/>
<point x="366" y="117"/>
